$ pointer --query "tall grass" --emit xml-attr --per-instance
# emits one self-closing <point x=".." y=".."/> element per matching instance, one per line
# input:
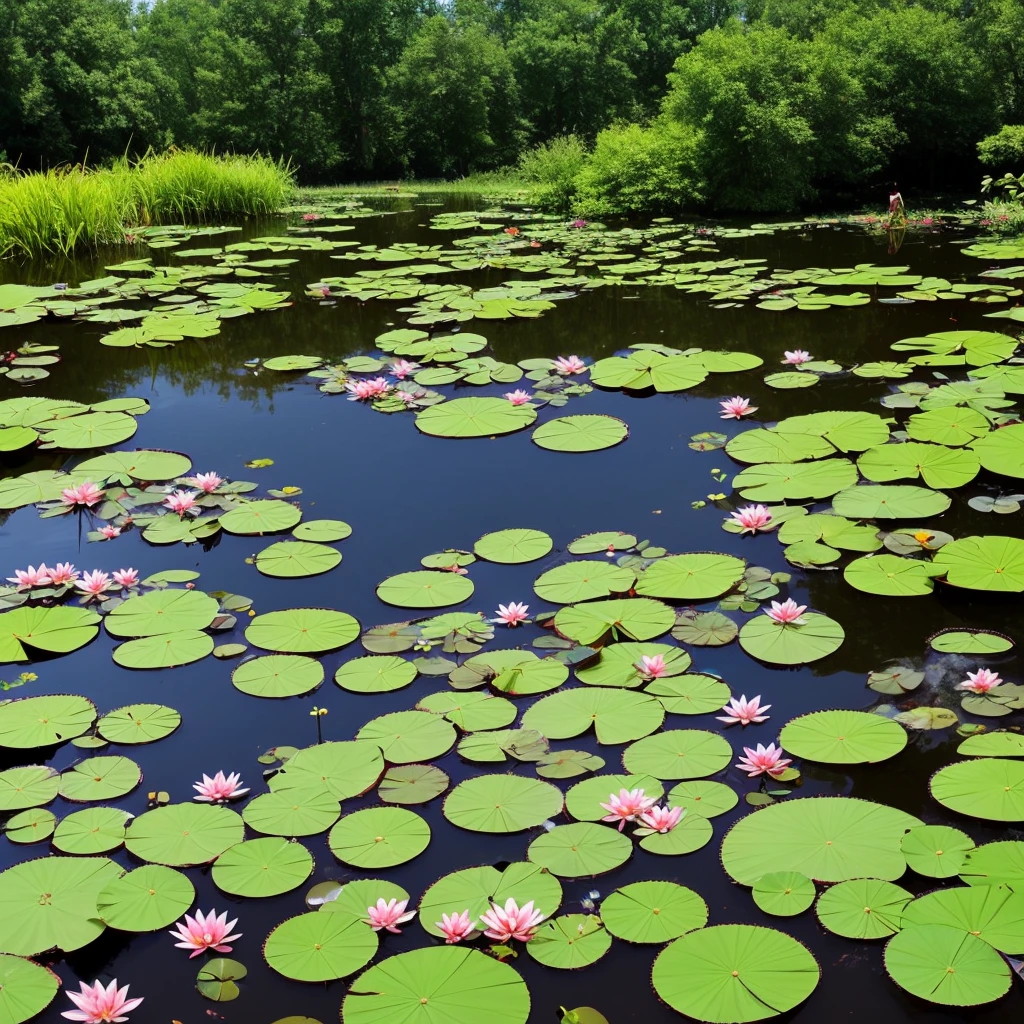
<point x="66" y="208"/>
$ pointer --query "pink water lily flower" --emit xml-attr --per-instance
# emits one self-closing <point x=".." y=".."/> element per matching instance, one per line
<point x="569" y="365"/>
<point x="512" y="921"/>
<point x="84" y="494"/>
<point x="367" y="390"/>
<point x="99" y="1005"/>
<point x="627" y="806"/>
<point x="205" y="931"/>
<point x="206" y="482"/>
<point x="788" y="613"/>
<point x="752" y="518"/>
<point x="126" y="577"/>
<point x="763" y="761"/>
<point x="662" y="819"/>
<point x="389" y="915"/>
<point x="651" y="667"/>
<point x="518" y="397"/>
<point x="736" y="408"/>
<point x="401" y="368"/>
<point x="95" y="583"/>
<point x="31" y="577"/>
<point x="456" y="927"/>
<point x="181" y="501"/>
<point x="220" y="788"/>
<point x="977" y="682"/>
<point x="110" y="532"/>
<point x="744" y="711"/>
<point x="796" y="357"/>
<point x="512" y="613"/>
<point x="62" y="573"/>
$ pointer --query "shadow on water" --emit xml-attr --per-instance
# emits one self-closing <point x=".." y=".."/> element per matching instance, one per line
<point x="405" y="495"/>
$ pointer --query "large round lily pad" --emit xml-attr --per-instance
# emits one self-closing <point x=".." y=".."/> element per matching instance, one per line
<point x="278" y="675"/>
<point x="298" y="811"/>
<point x="678" y="754"/>
<point x="570" y="941"/>
<point x="184" y="835"/>
<point x="583" y="581"/>
<point x="319" y="947"/>
<point x="26" y="988"/>
<point x="502" y="803"/>
<point x="57" y="630"/>
<point x="262" y="867"/>
<point x="302" y="630"/>
<point x="843" y="737"/>
<point x="31" y="786"/>
<point x="145" y="900"/>
<point x="375" y="673"/>
<point x="100" y="778"/>
<point x="653" y="911"/>
<point x="829" y="839"/>
<point x="266" y="515"/>
<point x="343" y="768"/>
<point x="638" y="618"/>
<point x="984" y="563"/>
<point x="160" y="612"/>
<point x="994" y="913"/>
<point x="511" y="547"/>
<point x="696" y="576"/>
<point x="863" y="908"/>
<point x="453" y="984"/>
<point x="734" y="973"/>
<point x="789" y="644"/>
<point x="783" y="893"/>
<point x="138" y="723"/>
<point x="936" y="851"/>
<point x="990" y="787"/>
<point x="583" y="800"/>
<point x="42" y="721"/>
<point x="424" y="588"/>
<point x="379" y="837"/>
<point x="618" y="716"/>
<point x="91" y="831"/>
<point x="589" y="432"/>
<point x="474" y="417"/>
<point x="409" y="736"/>
<point x="292" y="559"/>
<point x="580" y="850"/>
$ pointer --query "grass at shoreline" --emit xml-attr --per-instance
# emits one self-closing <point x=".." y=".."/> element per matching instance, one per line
<point x="503" y="182"/>
<point x="65" y="208"/>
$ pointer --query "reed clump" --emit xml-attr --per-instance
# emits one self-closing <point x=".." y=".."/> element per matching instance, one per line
<point x="67" y="208"/>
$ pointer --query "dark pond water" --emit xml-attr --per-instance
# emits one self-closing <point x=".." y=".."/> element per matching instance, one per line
<point x="406" y="495"/>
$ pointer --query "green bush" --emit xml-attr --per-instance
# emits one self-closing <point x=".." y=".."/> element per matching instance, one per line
<point x="638" y="168"/>
<point x="552" y="168"/>
<point x="1003" y="151"/>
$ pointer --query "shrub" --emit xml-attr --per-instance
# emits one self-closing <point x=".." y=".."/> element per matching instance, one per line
<point x="552" y="168"/>
<point x="1003" y="151"/>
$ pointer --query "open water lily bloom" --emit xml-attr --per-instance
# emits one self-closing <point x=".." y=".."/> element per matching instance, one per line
<point x="220" y="788"/>
<point x="981" y="681"/>
<point x="752" y="518"/>
<point x="744" y="712"/>
<point x="95" y="584"/>
<point x="796" y="357"/>
<point x="627" y="806"/>
<point x="99" y="1005"/>
<point x="84" y="495"/>
<point x="567" y="365"/>
<point x="126" y="577"/>
<point x="401" y="368"/>
<point x="651" y="667"/>
<point x="518" y="397"/>
<point x="181" y="502"/>
<point x="205" y="931"/>
<point x="31" y="577"/>
<point x="788" y="612"/>
<point x="109" y="532"/>
<point x="512" y="613"/>
<point x="63" y="573"/>
<point x="736" y="408"/>
<point x="206" y="482"/>
<point x="662" y="819"/>
<point x="763" y="760"/>
<point x="512" y="921"/>
<point x="456" y="927"/>
<point x="387" y="915"/>
<point x="368" y="389"/>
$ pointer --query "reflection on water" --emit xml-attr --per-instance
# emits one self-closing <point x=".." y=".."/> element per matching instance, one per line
<point x="406" y="495"/>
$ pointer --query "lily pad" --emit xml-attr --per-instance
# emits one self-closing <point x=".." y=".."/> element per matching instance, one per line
<point x="990" y="787"/>
<point x="474" y="417"/>
<point x="618" y="716"/>
<point x="632" y="618"/>
<point x="783" y="893"/>
<point x="704" y="629"/>
<point x="703" y="797"/>
<point x="147" y="899"/>
<point x="345" y="769"/>
<point x="217" y="977"/>
<point x="863" y="908"/>
<point x="409" y="736"/>
<point x="678" y="754"/>
<point x="31" y="826"/>
<point x="168" y="650"/>
<point x="843" y="737"/>
<point x="512" y="547"/>
<point x="138" y="723"/>
<point x="302" y="630"/>
<point x="969" y="641"/>
<point x="379" y="837"/>
<point x="161" y="612"/>
<point x="322" y="531"/>
<point x="26" y="989"/>
<point x="697" y="576"/>
<point x="584" y="799"/>
<point x="890" y="501"/>
<point x="502" y="803"/>
<point x="319" y="947"/>
<point x="583" y="581"/>
<point x="94" y="830"/>
<point x="789" y="644"/>
<point x="693" y="693"/>
<point x="184" y="835"/>
<point x="412" y="784"/>
<point x="100" y="778"/>
<point x="991" y="912"/>
<point x="620" y="664"/>
<point x="425" y="589"/>
<point x="580" y="850"/>
<point x="267" y="515"/>
<point x="993" y="744"/>
<point x="262" y="867"/>
<point x="590" y="432"/>
<point x="570" y="941"/>
<point x="653" y="912"/>
<point x="30" y="786"/>
<point x="984" y="563"/>
<point x="734" y="973"/>
<point x="292" y="559"/>
<point x="56" y="630"/>
<point x="278" y="675"/>
<point x="298" y="811"/>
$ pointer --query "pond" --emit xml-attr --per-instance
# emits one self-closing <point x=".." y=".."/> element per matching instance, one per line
<point x="671" y="320"/>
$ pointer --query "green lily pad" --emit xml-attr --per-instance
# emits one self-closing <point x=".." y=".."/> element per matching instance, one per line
<point x="734" y="973"/>
<point x="776" y="482"/>
<point x="161" y="612"/>
<point x="375" y="673"/>
<point x="267" y="515"/>
<point x="302" y="630"/>
<point x="580" y="850"/>
<point x="412" y="784"/>
<point x="618" y="716"/>
<point x="379" y="837"/>
<point x="998" y="863"/>
<point x="693" y="693"/>
<point x="138" y="723"/>
<point x="704" y="629"/>
<point x="94" y="830"/>
<point x="762" y="445"/>
<point x="184" y="835"/>
<point x="278" y="675"/>
<point x="891" y="575"/>
<point x="583" y="800"/>
<point x="583" y="581"/>
<point x="946" y="965"/>
<point x="678" y="754"/>
<point x="26" y="989"/>
<point x="633" y="618"/>
<point x="570" y="941"/>
<point x="512" y="547"/>
<point x="217" y="977"/>
<point x="990" y="912"/>
<point x="969" y="641"/>
<point x="87" y="430"/>
<point x="100" y="778"/>
<point x="56" y="630"/>
<point x="409" y="736"/>
<point x="147" y="899"/>
<point x="460" y="986"/>
<point x="31" y="826"/>
<point x="936" y="851"/>
<point x="262" y="867"/>
<point x="590" y="432"/>
<point x="502" y="803"/>
<point x="165" y="651"/>
<point x="292" y="559"/>
<point x="322" y="531"/>
<point x="1000" y="450"/>
<point x="984" y="563"/>
<point x="843" y="737"/>
<point x="829" y="839"/>
<point x="993" y="744"/>
<point x="990" y="787"/>
<point x="470" y="711"/>
<point x="474" y="417"/>
<point x="890" y="501"/>
<point x="50" y="903"/>
<point x="297" y="811"/>
<point x="783" y="893"/>
<point x="697" y="576"/>
<point x="863" y="908"/>
<point x="703" y="797"/>
<point x="620" y="664"/>
<point x="939" y="467"/>
<point x="693" y="832"/>
<point x="789" y="644"/>
<point x="142" y="464"/>
<point x="345" y="769"/>
<point x="31" y="786"/>
<point x="319" y="947"/>
<point x="653" y="912"/>
<point x="609" y="540"/>
<point x="355" y="897"/>
<point x="424" y="588"/>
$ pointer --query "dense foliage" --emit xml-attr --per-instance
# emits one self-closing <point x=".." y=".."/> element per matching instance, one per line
<point x="752" y="104"/>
